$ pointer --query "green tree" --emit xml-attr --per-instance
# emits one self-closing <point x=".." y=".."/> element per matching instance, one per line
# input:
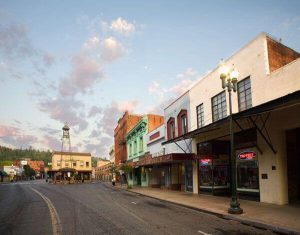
<point x="127" y="169"/>
<point x="28" y="171"/>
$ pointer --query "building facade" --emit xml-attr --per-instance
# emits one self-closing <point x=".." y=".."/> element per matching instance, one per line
<point x="265" y="109"/>
<point x="125" y="124"/>
<point x="70" y="166"/>
<point x="136" y="146"/>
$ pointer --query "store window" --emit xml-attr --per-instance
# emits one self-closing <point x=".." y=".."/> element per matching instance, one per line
<point x="214" y="166"/>
<point x="247" y="171"/>
<point x="200" y="116"/>
<point x="244" y="94"/>
<point x="219" y="109"/>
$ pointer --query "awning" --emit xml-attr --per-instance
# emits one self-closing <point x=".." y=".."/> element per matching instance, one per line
<point x="279" y="103"/>
<point x="168" y="158"/>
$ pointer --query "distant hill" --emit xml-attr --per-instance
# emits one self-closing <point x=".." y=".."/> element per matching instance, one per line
<point x="8" y="154"/>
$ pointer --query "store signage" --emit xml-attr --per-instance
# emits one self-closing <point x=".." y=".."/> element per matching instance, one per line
<point x="247" y="155"/>
<point x="205" y="161"/>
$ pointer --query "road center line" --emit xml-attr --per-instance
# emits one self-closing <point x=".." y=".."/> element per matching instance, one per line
<point x="204" y="233"/>
<point x="56" y="228"/>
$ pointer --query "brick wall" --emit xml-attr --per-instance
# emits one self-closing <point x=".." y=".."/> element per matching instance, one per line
<point x="279" y="55"/>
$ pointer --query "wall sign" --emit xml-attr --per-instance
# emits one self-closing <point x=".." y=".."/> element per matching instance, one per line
<point x="205" y="161"/>
<point x="247" y="155"/>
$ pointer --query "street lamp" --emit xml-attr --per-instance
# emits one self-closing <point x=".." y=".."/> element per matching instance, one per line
<point x="229" y="79"/>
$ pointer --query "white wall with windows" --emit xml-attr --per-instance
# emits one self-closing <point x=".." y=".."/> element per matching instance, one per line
<point x="177" y="123"/>
<point x="207" y="103"/>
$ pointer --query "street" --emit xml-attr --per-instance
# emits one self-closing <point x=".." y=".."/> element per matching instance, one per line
<point x="37" y="207"/>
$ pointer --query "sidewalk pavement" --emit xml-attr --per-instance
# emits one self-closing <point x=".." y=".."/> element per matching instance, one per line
<point x="281" y="219"/>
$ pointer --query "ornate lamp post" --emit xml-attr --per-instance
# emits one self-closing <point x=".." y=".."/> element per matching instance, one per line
<point x="229" y="79"/>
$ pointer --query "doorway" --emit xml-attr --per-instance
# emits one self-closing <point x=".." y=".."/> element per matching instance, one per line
<point x="189" y="176"/>
<point x="293" y="164"/>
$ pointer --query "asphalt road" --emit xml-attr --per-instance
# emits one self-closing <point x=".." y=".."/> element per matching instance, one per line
<point x="39" y="208"/>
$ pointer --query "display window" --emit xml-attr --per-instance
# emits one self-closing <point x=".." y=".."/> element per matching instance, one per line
<point x="213" y="173"/>
<point x="247" y="171"/>
<point x="205" y="171"/>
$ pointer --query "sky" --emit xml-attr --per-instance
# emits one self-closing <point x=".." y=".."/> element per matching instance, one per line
<point x="85" y="62"/>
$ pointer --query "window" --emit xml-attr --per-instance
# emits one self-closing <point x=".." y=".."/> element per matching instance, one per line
<point x="200" y="116"/>
<point x="81" y="163"/>
<point x="141" y="144"/>
<point x="135" y="147"/>
<point x="244" y="94"/>
<point x="219" y="109"/>
<point x="74" y="164"/>
<point x="66" y="164"/>
<point x="182" y="122"/>
<point x="171" y="128"/>
<point x="87" y="164"/>
<point x="58" y="163"/>
<point x="130" y="149"/>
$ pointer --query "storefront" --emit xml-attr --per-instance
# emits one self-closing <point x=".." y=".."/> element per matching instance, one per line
<point x="213" y="167"/>
<point x="247" y="172"/>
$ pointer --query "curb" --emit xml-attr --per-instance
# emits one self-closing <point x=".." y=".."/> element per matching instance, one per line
<point x="249" y="222"/>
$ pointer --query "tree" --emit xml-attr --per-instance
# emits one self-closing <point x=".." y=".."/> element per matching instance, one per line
<point x="28" y="171"/>
<point x="126" y="169"/>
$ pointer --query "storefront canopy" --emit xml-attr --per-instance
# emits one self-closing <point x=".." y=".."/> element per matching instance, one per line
<point x="283" y="102"/>
<point x="164" y="159"/>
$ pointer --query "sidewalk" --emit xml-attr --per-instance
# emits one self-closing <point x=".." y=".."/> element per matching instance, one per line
<point x="282" y="219"/>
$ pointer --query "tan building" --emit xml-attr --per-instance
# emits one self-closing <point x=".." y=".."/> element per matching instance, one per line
<point x="71" y="166"/>
<point x="103" y="170"/>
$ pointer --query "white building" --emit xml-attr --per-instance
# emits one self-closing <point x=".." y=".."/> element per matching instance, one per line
<point x="266" y="111"/>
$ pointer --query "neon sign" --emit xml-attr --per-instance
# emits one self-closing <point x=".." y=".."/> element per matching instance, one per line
<point x="247" y="155"/>
<point x="205" y="161"/>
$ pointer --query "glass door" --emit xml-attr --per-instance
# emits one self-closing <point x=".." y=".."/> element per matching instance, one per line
<point x="189" y="177"/>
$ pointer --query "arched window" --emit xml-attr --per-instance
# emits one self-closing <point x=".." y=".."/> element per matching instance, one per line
<point x="171" y="128"/>
<point x="182" y="122"/>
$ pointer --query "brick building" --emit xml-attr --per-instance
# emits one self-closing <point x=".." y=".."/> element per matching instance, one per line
<point x="125" y="124"/>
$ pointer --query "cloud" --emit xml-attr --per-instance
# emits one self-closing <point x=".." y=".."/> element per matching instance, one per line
<point x="188" y="73"/>
<point x="8" y="131"/>
<point x="48" y="59"/>
<point x="94" y="111"/>
<point x="14" y="137"/>
<point x="52" y="142"/>
<point x="122" y="26"/>
<point x="14" y="42"/>
<point x="64" y="109"/>
<point x="91" y="43"/>
<point x="111" y="49"/>
<point x="181" y="87"/>
<point x="84" y="73"/>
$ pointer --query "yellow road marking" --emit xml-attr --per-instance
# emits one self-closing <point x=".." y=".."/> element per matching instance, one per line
<point x="56" y="228"/>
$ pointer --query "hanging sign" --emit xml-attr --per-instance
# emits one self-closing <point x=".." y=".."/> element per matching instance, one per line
<point x="247" y="155"/>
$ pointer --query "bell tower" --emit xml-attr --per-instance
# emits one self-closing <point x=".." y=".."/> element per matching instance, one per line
<point x="66" y="145"/>
<point x="65" y="140"/>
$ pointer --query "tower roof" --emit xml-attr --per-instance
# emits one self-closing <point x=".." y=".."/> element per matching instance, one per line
<point x="66" y="127"/>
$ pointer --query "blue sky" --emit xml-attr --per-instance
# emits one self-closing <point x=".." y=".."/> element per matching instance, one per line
<point x="86" y="62"/>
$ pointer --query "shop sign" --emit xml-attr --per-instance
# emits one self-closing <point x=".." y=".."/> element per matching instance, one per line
<point x="205" y="161"/>
<point x="247" y="155"/>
